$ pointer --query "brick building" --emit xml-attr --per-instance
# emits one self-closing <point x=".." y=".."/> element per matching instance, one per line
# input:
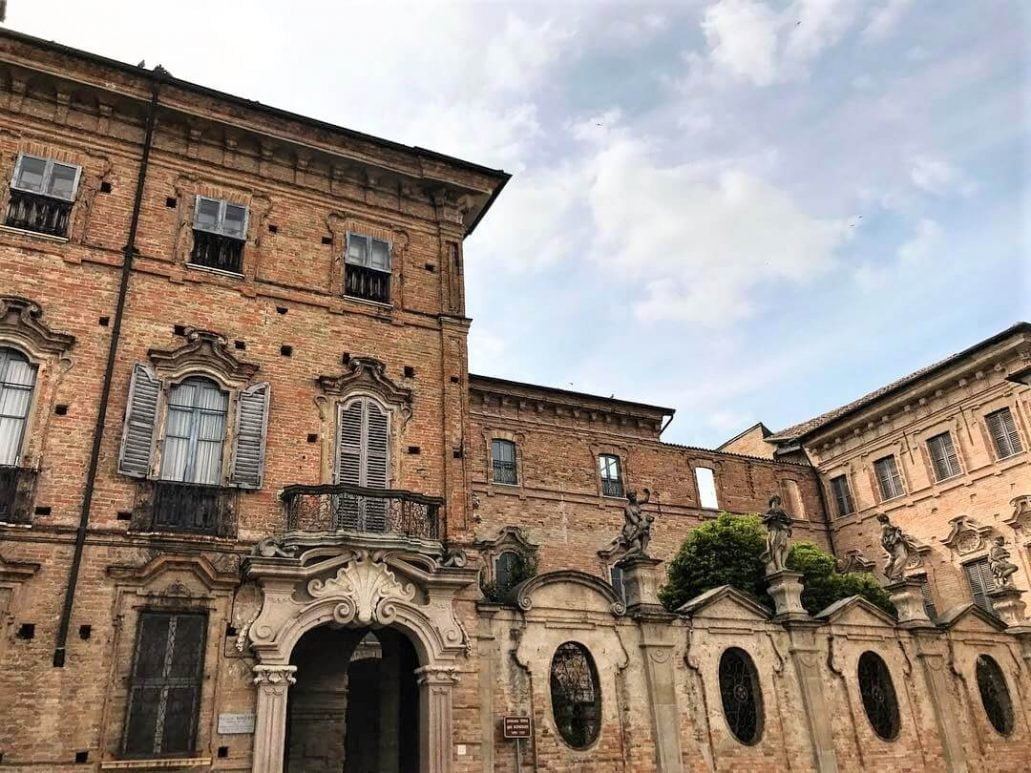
<point x="252" y="502"/>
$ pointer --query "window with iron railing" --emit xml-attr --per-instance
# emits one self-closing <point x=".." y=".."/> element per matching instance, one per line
<point x="503" y="460"/>
<point x="219" y="233"/>
<point x="611" y="475"/>
<point x="367" y="268"/>
<point x="42" y="195"/>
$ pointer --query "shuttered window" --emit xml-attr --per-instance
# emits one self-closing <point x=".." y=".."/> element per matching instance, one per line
<point x="943" y="456"/>
<point x="1003" y="430"/>
<point x="251" y="426"/>
<point x="888" y="478"/>
<point x="140" y="420"/>
<point x="981" y="582"/>
<point x="17" y="382"/>
<point x="164" y="690"/>
<point x="363" y="459"/>
<point x="195" y="432"/>
<point x="842" y="495"/>
<point x="925" y="591"/>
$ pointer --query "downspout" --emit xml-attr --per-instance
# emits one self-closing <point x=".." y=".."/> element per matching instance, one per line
<point x="823" y="502"/>
<point x="105" y="393"/>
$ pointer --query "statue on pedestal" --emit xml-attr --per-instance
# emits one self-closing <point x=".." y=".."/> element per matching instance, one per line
<point x="899" y="547"/>
<point x="999" y="563"/>
<point x="778" y="532"/>
<point x="637" y="525"/>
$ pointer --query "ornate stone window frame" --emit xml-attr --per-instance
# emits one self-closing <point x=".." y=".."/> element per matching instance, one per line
<point x="362" y="377"/>
<point x="22" y="329"/>
<point x="510" y="539"/>
<point x="968" y="539"/>
<point x="340" y="224"/>
<point x="953" y="425"/>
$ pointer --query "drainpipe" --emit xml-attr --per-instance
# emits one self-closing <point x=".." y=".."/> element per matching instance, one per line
<point x="105" y="393"/>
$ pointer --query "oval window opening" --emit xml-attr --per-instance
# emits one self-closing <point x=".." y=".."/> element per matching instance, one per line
<point x="995" y="695"/>
<point x="878" y="692"/>
<point x="575" y="695"/>
<point x="742" y="698"/>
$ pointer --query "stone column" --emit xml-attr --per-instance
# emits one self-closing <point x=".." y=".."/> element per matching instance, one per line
<point x="908" y="598"/>
<point x="435" y="722"/>
<point x="641" y="581"/>
<point x="270" y="722"/>
<point x="786" y="589"/>
<point x="808" y="662"/>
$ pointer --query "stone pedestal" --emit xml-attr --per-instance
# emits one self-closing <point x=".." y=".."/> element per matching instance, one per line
<point x="640" y="580"/>
<point x="908" y="598"/>
<point x="786" y="589"/>
<point x="1009" y="607"/>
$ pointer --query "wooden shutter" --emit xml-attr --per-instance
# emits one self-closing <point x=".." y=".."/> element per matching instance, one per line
<point x="140" y="420"/>
<point x="377" y="443"/>
<point x="981" y="583"/>
<point x="251" y="428"/>
<point x="943" y="456"/>
<point x="1004" y="433"/>
<point x="164" y="692"/>
<point x="349" y="444"/>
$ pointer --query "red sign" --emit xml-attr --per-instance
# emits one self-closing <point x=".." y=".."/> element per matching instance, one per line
<point x="516" y="727"/>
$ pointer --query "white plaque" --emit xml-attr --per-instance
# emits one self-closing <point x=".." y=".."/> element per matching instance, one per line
<point x="235" y="724"/>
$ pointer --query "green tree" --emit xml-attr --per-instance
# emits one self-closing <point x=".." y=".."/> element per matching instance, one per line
<point x="728" y="551"/>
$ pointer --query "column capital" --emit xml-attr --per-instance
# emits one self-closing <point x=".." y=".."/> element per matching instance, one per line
<point x="280" y="676"/>
<point x="437" y="675"/>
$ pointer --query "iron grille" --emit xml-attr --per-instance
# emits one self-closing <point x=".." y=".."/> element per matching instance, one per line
<point x="17" y="485"/>
<point x="35" y="212"/>
<point x="164" y="505"/>
<point x="878" y="693"/>
<point x="213" y="250"/>
<point x="342" y="507"/>
<point x="739" y="689"/>
<point x="367" y="283"/>
<point x="504" y="472"/>
<point x="612" y="488"/>
<point x="575" y="695"/>
<point x="995" y="695"/>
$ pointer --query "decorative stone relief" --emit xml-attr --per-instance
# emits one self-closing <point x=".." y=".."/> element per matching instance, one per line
<point x="206" y="351"/>
<point x="368" y="374"/>
<point x="21" y="320"/>
<point x="367" y="588"/>
<point x="855" y="561"/>
<point x="967" y="536"/>
<point x="1020" y="519"/>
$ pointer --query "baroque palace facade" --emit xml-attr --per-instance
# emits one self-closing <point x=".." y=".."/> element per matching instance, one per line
<point x="255" y="512"/>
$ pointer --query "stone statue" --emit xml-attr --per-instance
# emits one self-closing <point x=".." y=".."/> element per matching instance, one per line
<point x="778" y="532"/>
<point x="899" y="547"/>
<point x="1000" y="565"/>
<point x="637" y="526"/>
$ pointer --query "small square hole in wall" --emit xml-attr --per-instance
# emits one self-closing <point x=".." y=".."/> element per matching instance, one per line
<point x="85" y="631"/>
<point x="179" y="330"/>
<point x="430" y="267"/>
<point x="414" y="450"/>
<point x="61" y="409"/>
<point x="26" y="631"/>
<point x="81" y="758"/>
<point x="286" y="350"/>
<point x="281" y="309"/>
<point x="457" y="453"/>
<point x="345" y="358"/>
<point x="171" y="202"/>
<point x="105" y="187"/>
<point x="42" y="511"/>
<point x="231" y="631"/>
<point x="223" y="751"/>
<point x="273" y="229"/>
<point x="312" y="437"/>
<point x="409" y="371"/>
<point x="327" y="239"/>
<point x="456" y="380"/>
<point x="124" y="515"/>
<point x="240" y="345"/>
<point x="104" y="321"/>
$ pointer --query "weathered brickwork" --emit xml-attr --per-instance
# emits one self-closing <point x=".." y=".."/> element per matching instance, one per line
<point x="263" y="579"/>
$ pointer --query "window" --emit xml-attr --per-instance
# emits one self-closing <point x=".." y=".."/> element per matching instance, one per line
<point x="17" y="381"/>
<point x="995" y="695"/>
<point x="1004" y="433"/>
<point x="164" y="689"/>
<point x="888" y="479"/>
<point x="503" y="457"/>
<point x="42" y="193"/>
<point x="363" y="458"/>
<point x="367" y="268"/>
<point x="981" y="582"/>
<point x="507" y="567"/>
<point x="925" y="591"/>
<point x="219" y="233"/>
<point x="705" y="478"/>
<point x="878" y="694"/>
<point x="842" y="495"/>
<point x="195" y="432"/>
<point x="575" y="695"/>
<point x="742" y="698"/>
<point x="611" y="475"/>
<point x="616" y="578"/>
<point x="943" y="456"/>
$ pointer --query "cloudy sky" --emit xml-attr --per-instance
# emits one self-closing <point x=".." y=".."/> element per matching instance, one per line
<point x="744" y="210"/>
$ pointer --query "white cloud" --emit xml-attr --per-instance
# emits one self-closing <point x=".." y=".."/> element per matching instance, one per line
<point x="914" y="256"/>
<point x="885" y="19"/>
<point x="519" y="58"/>
<point x="937" y="176"/>
<point x="923" y="244"/>
<point x="742" y="38"/>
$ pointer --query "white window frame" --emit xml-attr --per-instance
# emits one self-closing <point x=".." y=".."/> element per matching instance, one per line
<point x="702" y="493"/>
<point x="219" y="229"/>
<point x="390" y="252"/>
<point x="48" y="170"/>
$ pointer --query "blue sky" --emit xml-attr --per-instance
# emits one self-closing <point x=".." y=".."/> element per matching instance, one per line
<point x="743" y="210"/>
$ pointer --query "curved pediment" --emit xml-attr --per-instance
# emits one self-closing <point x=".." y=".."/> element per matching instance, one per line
<point x="367" y="374"/>
<point x="205" y="352"/>
<point x="569" y="590"/>
<point x="21" y="321"/>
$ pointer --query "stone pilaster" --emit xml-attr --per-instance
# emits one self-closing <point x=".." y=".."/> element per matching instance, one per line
<point x="435" y="687"/>
<point x="272" y="682"/>
<point x="786" y="589"/>
<point x="908" y="598"/>
<point x="934" y="668"/>
<point x="657" y="650"/>
<point x="808" y="662"/>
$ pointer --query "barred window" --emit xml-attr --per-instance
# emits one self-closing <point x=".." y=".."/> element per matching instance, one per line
<point x="1004" y="433"/>
<point x="943" y="456"/>
<point x="611" y="475"/>
<point x="503" y="459"/>
<point x="995" y="695"/>
<point x="219" y="233"/>
<point x="889" y="480"/>
<point x="741" y="695"/>
<point x="878" y="693"/>
<point x="575" y="695"/>
<point x="42" y="194"/>
<point x="367" y="268"/>
<point x="842" y="495"/>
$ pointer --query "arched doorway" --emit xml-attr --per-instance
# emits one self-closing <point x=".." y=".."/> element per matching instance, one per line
<point x="354" y="706"/>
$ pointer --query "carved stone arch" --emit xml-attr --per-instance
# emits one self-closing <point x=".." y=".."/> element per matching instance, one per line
<point x="21" y="323"/>
<point x="539" y="586"/>
<point x="204" y="353"/>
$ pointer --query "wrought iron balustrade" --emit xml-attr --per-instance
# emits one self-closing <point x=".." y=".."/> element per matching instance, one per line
<point x="17" y="485"/>
<point x="611" y="488"/>
<point x="504" y="472"/>
<point x="34" y="212"/>
<point x="216" y="251"/>
<point x="367" y="283"/>
<point x="356" y="508"/>
<point x="164" y="505"/>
